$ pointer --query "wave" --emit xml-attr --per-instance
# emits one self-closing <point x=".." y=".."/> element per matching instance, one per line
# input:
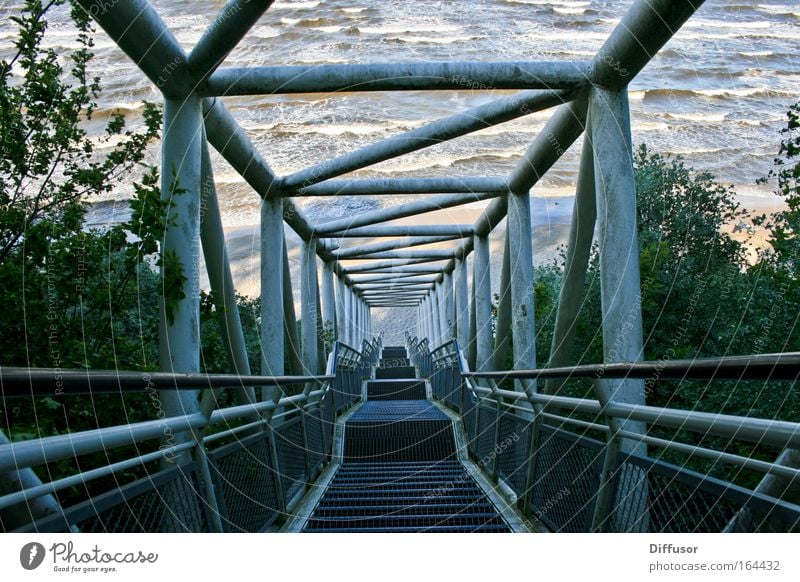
<point x="733" y="93"/>
<point x="431" y="39"/>
<point x="284" y="5"/>
<point x="406" y="29"/>
<point x="698" y="117"/>
<point x="780" y="9"/>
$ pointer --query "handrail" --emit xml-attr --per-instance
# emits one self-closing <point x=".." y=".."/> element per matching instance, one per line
<point x="18" y="381"/>
<point x="784" y="366"/>
<point x="38" y="451"/>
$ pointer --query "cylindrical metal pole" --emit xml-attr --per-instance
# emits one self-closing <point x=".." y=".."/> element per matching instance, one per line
<point x="291" y="340"/>
<point x="483" y="304"/>
<point x="328" y="299"/>
<point x="461" y="292"/>
<point x="179" y="329"/>
<point x="272" y="292"/>
<point x="308" y="306"/>
<point x="502" y="339"/>
<point x="579" y="248"/>
<point x="523" y="321"/>
<point x="619" y="247"/>
<point x="341" y="323"/>
<point x="215" y="254"/>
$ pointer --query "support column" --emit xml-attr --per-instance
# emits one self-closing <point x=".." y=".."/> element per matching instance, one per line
<point x="579" y="248"/>
<point x="341" y="324"/>
<point x="308" y="303"/>
<point x="441" y="313"/>
<point x="461" y="293"/>
<point x="328" y="299"/>
<point x="619" y="247"/>
<point x="483" y="304"/>
<point x="620" y="303"/>
<point x="472" y="346"/>
<point x="502" y="338"/>
<point x="351" y="317"/>
<point x="272" y="288"/>
<point x="449" y="306"/>
<point x="523" y="322"/>
<point x="179" y="322"/>
<point x="212" y="238"/>
<point x="291" y="339"/>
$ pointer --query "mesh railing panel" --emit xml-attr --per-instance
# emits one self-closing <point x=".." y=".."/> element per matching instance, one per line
<point x="469" y="416"/>
<point x="316" y="441"/>
<point x="485" y="435"/>
<point x="165" y="502"/>
<point x="566" y="479"/>
<point x="245" y="484"/>
<point x="291" y="456"/>
<point x="658" y="497"/>
<point x="513" y="453"/>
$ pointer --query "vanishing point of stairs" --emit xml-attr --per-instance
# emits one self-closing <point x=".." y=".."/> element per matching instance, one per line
<point x="400" y="471"/>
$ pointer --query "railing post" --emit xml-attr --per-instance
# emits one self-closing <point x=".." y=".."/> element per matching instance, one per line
<point x="619" y="280"/>
<point x="179" y="322"/>
<point x="308" y="301"/>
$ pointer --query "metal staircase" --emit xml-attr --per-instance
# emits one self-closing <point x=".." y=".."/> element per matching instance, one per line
<point x="400" y="471"/>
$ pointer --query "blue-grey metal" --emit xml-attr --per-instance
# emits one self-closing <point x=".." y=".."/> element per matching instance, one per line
<point x="273" y="312"/>
<point x="394" y="266"/>
<point x="432" y="254"/>
<point x="461" y="295"/>
<point x="389" y="278"/>
<point x="398" y="77"/>
<point x="308" y="301"/>
<point x="461" y="230"/>
<point x="220" y="279"/>
<point x="414" y="208"/>
<point x="398" y="243"/>
<point x="475" y="119"/>
<point x="179" y="331"/>
<point x="328" y="298"/>
<point x="619" y="249"/>
<point x="230" y="26"/>
<point x="397" y="186"/>
<point x="579" y="247"/>
<point x="481" y="281"/>
<point x="643" y="30"/>
<point x="137" y="29"/>
<point x="561" y="130"/>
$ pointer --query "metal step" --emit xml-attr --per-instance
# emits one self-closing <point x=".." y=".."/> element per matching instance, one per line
<point x="394" y="362"/>
<point x="396" y="390"/>
<point x="395" y="372"/>
<point x="482" y="528"/>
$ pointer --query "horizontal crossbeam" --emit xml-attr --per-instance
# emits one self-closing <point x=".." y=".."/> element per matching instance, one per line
<point x="433" y="76"/>
<point x="397" y="186"/>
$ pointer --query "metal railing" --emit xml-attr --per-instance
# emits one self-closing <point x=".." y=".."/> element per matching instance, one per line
<point x="240" y="468"/>
<point x="539" y="447"/>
